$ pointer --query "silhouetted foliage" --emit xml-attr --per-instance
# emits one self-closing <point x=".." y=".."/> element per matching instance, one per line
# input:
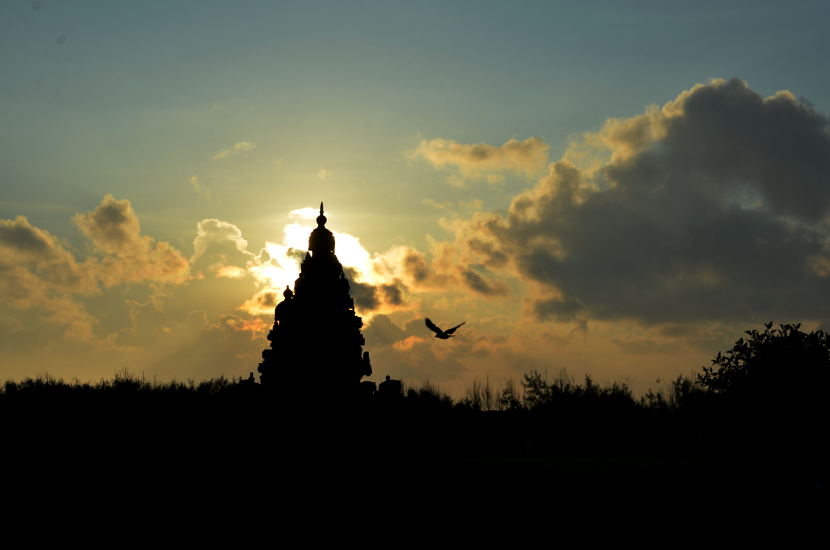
<point x="778" y="366"/>
<point x="769" y="392"/>
<point x="760" y="407"/>
<point x="429" y="395"/>
<point x="683" y="393"/>
<point x="563" y="394"/>
<point x="481" y="396"/>
<point x="510" y="398"/>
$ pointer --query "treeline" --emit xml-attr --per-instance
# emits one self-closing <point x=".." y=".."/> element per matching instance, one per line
<point x="762" y="404"/>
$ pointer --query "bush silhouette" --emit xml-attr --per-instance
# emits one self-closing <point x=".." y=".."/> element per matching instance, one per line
<point x="780" y="368"/>
<point x="770" y="391"/>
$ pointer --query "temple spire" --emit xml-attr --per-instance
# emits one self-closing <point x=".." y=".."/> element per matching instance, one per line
<point x="321" y="219"/>
<point x="321" y="240"/>
<point x="316" y="342"/>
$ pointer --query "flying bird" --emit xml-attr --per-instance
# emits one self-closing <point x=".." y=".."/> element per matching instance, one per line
<point x="442" y="334"/>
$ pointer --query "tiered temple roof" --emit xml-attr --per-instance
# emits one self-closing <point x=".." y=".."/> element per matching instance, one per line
<point x="316" y="343"/>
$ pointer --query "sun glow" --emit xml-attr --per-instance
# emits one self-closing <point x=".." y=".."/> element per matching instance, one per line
<point x="277" y="264"/>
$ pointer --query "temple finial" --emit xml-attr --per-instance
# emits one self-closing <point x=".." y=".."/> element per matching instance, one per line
<point x="321" y="219"/>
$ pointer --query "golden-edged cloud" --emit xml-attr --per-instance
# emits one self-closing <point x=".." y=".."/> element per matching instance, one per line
<point x="127" y="255"/>
<point x="38" y="274"/>
<point x="483" y="161"/>
<point x="715" y="206"/>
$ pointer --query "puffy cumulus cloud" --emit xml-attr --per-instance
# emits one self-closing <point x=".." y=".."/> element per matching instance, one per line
<point x="32" y="261"/>
<point x="220" y="241"/>
<point x="112" y="227"/>
<point x="383" y="332"/>
<point x="262" y="302"/>
<point x="446" y="266"/>
<point x="483" y="161"/>
<point x="235" y="149"/>
<point x="372" y="298"/>
<point x="128" y="256"/>
<point x="38" y="274"/>
<point x="712" y="207"/>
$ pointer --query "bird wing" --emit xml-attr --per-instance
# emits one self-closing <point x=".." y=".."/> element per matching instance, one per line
<point x="431" y="326"/>
<point x="451" y="330"/>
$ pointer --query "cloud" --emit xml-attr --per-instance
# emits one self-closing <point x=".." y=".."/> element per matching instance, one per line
<point x="213" y="233"/>
<point x="235" y="149"/>
<point x="128" y="256"/>
<point x="715" y="206"/>
<point x="306" y="213"/>
<point x="482" y="161"/>
<point x="199" y="189"/>
<point x="479" y="284"/>
<point x="445" y="267"/>
<point x="408" y="343"/>
<point x="375" y="298"/>
<point x="35" y="260"/>
<point x="374" y="286"/>
<point x="40" y="276"/>
<point x="229" y="272"/>
<point x="257" y="327"/>
<point x="261" y="303"/>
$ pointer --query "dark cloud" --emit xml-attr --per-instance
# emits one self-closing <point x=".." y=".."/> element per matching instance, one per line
<point x="364" y="295"/>
<point x="392" y="293"/>
<point x="21" y="236"/>
<point x="112" y="227"/>
<point x="416" y="266"/>
<point x="267" y="299"/>
<point x="373" y="298"/>
<point x="477" y="283"/>
<point x="383" y="332"/>
<point x="261" y="303"/>
<point x="714" y="206"/>
<point x="34" y="258"/>
<point x="493" y="257"/>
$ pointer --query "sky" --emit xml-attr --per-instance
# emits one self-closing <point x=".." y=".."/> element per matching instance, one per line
<point x="617" y="189"/>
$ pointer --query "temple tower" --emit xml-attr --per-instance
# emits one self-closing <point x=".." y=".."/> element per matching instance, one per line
<point x="316" y="344"/>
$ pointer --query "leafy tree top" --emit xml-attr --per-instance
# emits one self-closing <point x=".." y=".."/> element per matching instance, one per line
<point x="785" y="364"/>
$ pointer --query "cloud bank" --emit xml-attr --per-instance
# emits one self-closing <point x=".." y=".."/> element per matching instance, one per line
<point x="712" y="207"/>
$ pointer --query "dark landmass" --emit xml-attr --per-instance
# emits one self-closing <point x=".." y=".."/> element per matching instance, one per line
<point x="756" y="421"/>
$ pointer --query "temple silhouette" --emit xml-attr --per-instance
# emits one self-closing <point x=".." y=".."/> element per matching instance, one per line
<point x="316" y="343"/>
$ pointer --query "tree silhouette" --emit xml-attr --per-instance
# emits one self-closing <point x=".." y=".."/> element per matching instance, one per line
<point x="779" y="366"/>
<point x="771" y="393"/>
